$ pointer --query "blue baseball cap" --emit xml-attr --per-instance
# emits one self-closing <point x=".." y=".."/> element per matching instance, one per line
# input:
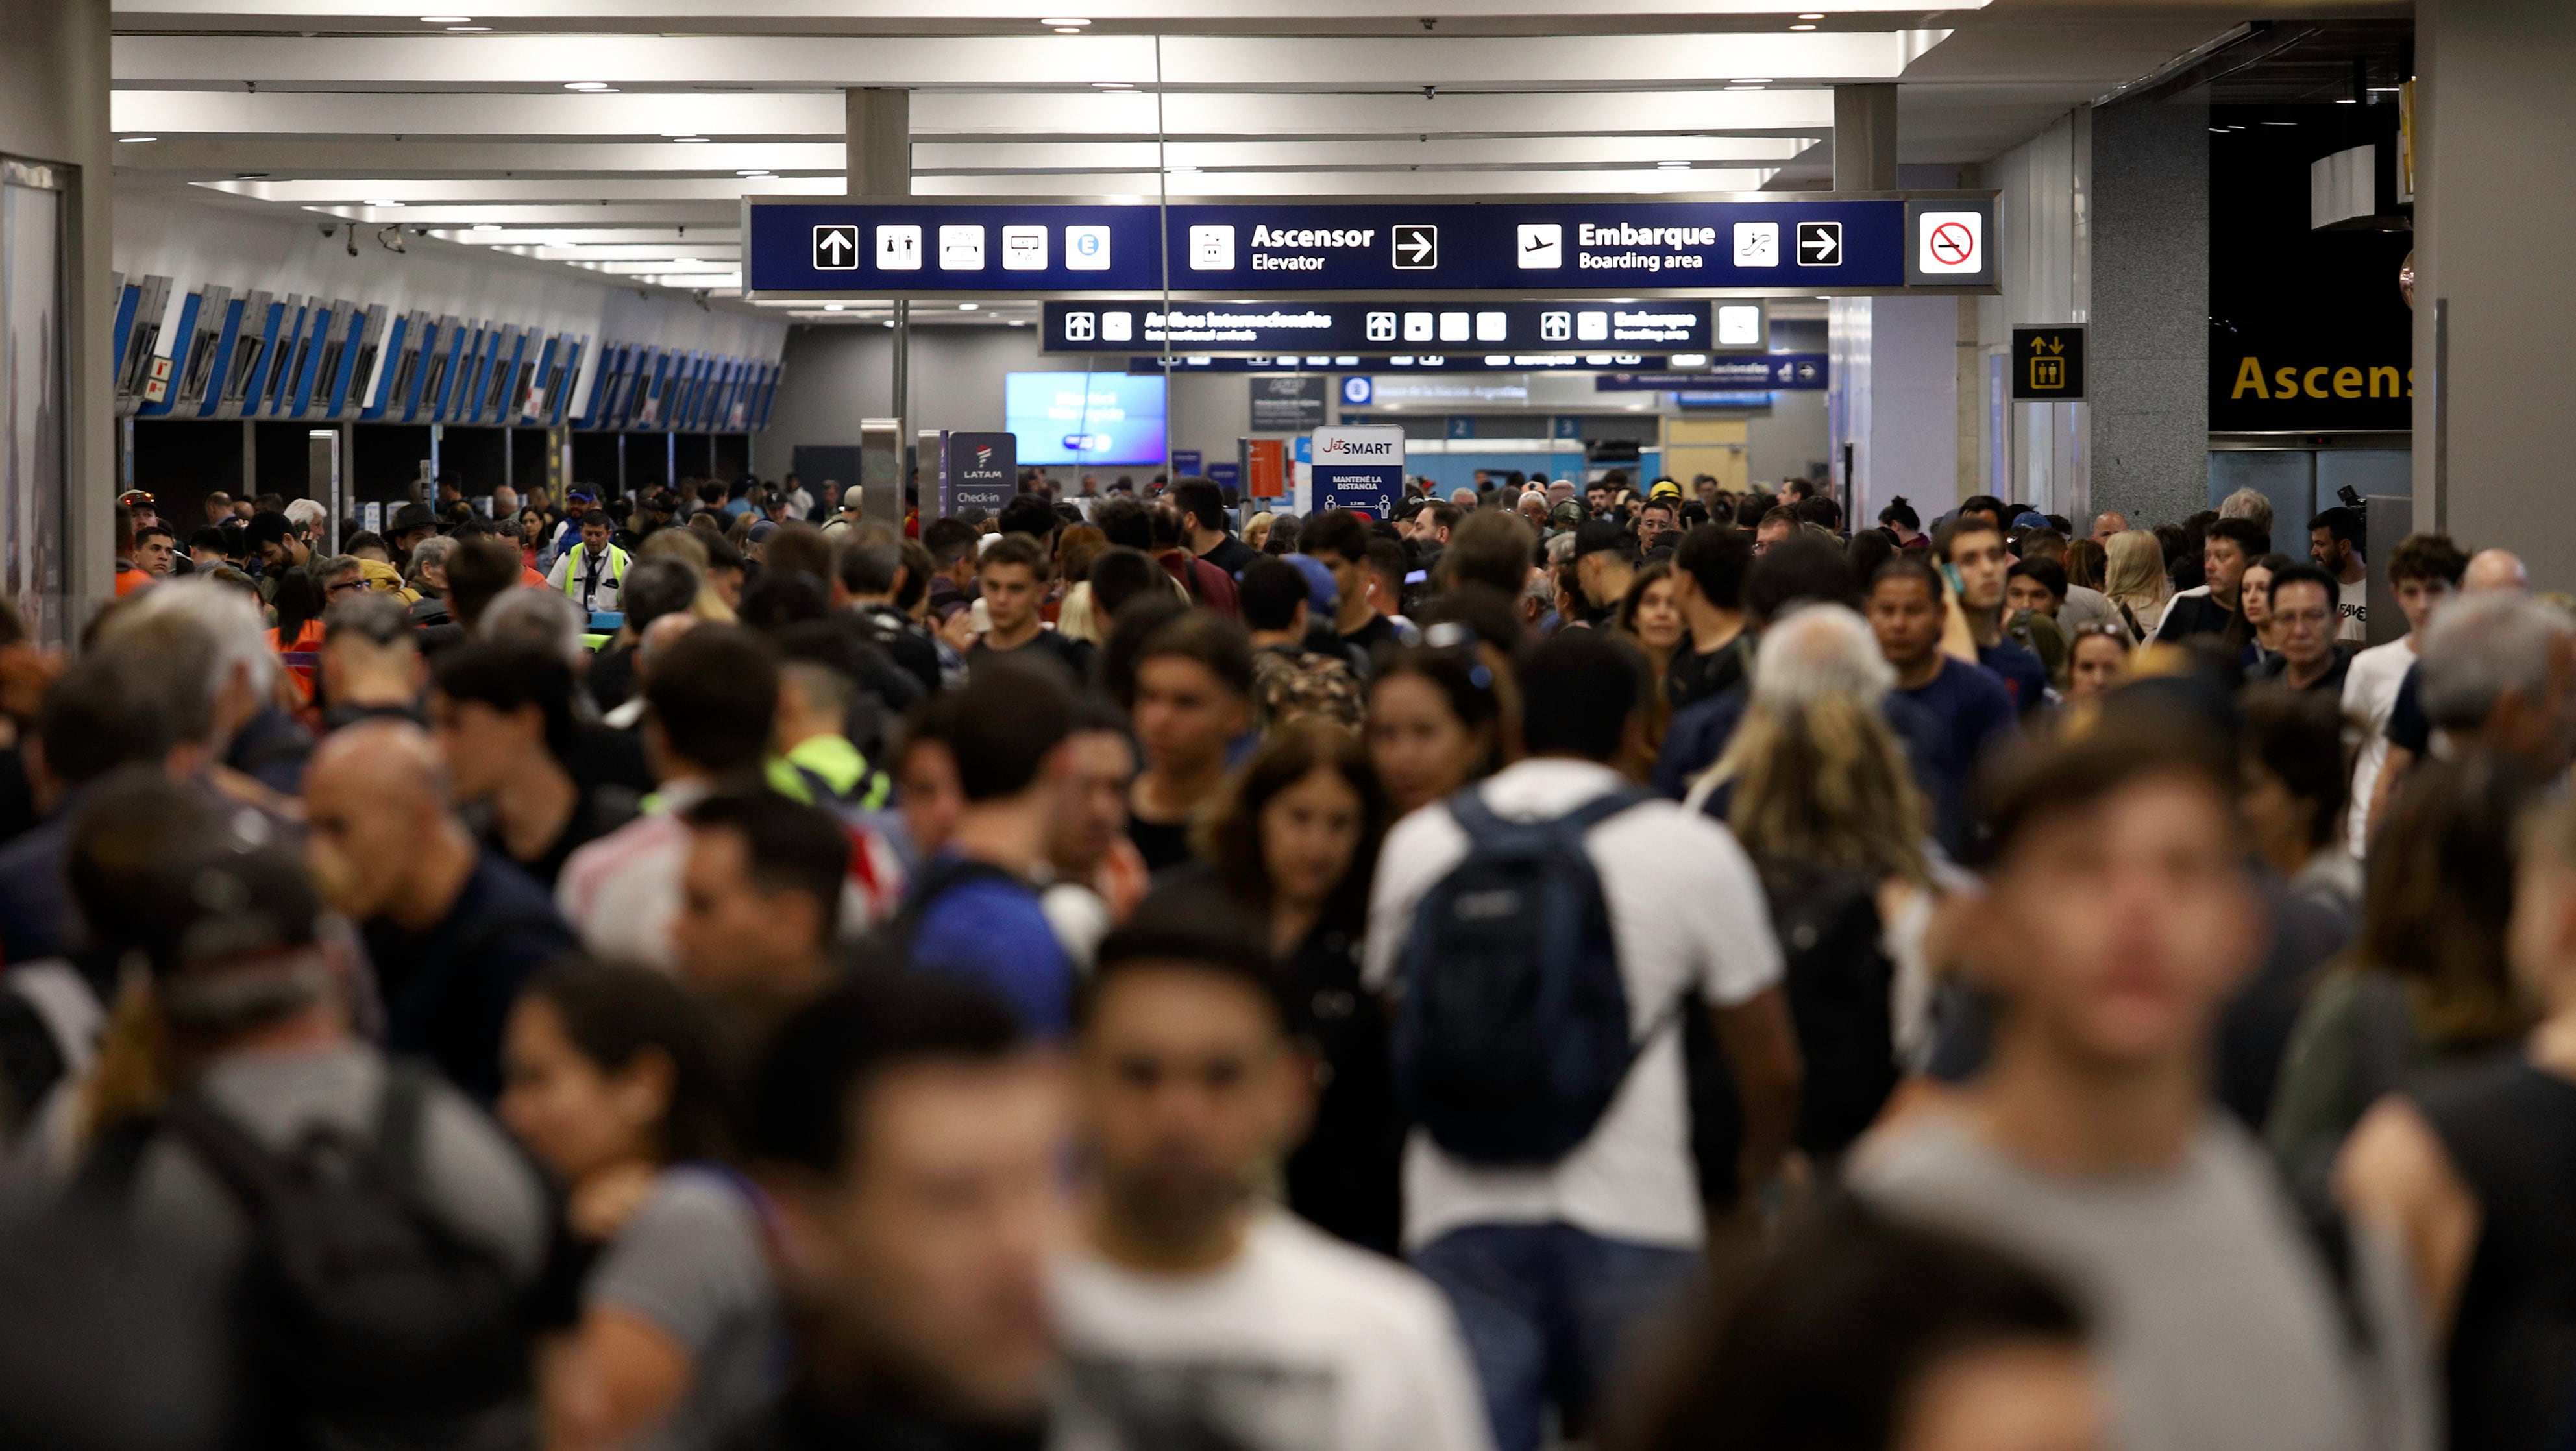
<point x="1323" y="596"/>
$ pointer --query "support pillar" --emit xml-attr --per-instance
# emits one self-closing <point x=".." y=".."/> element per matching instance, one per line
<point x="1865" y="138"/>
<point x="2494" y="123"/>
<point x="879" y="158"/>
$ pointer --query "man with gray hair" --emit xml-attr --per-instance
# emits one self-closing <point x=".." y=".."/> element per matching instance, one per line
<point x="2248" y="505"/>
<point x="541" y="618"/>
<point x="2499" y="676"/>
<point x="2409" y="730"/>
<point x="212" y="651"/>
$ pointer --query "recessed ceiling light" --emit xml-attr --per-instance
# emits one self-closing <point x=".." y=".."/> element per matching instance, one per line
<point x="1068" y="30"/>
<point x="754" y="172"/>
<point x="1064" y="23"/>
<point x="1016" y="321"/>
<point x="585" y="85"/>
<point x="1114" y="85"/>
<point x="1812" y="15"/>
<point x="688" y="140"/>
<point x="2346" y="101"/>
<point x="447" y="20"/>
<point x="1802" y="27"/>
<point x="835" y="306"/>
<point x="1751" y="81"/>
<point x="484" y="227"/>
<point x="968" y="306"/>
<point x="1673" y="165"/>
<point x="889" y="322"/>
<point x="130" y="140"/>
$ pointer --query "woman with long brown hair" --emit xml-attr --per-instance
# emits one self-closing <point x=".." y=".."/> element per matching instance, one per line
<point x="1292" y="842"/>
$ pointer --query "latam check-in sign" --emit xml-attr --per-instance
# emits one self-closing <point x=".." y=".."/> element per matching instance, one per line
<point x="1408" y="325"/>
<point x="1254" y="248"/>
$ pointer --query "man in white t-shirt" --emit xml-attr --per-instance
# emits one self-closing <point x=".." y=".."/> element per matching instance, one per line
<point x="1553" y="1267"/>
<point x="1196" y="1311"/>
<point x="2424" y="571"/>
<point x="2334" y="542"/>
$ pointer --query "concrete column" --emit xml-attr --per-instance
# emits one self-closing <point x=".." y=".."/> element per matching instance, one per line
<point x="880" y="142"/>
<point x="2495" y="130"/>
<point x="1892" y="405"/>
<point x="54" y="83"/>
<point x="2147" y="363"/>
<point x="1865" y="138"/>
<point x="880" y="163"/>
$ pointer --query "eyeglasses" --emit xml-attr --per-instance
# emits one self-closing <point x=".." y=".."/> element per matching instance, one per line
<point x="2103" y="632"/>
<point x="353" y="582"/>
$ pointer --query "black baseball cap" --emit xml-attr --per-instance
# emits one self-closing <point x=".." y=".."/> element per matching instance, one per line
<point x="223" y="903"/>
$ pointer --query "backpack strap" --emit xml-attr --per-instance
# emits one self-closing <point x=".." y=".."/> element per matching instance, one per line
<point x="401" y="1112"/>
<point x="1484" y="825"/>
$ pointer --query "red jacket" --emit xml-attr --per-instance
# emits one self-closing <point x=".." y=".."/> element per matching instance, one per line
<point x="1207" y="585"/>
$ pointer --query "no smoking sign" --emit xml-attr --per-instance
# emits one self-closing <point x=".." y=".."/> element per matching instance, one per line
<point x="1950" y="244"/>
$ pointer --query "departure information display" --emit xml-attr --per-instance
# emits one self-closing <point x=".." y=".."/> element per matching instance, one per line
<point x="1373" y="327"/>
<point x="1253" y="248"/>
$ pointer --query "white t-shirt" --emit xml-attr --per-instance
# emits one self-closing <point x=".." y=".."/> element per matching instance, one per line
<point x="2370" y="687"/>
<point x="1686" y="910"/>
<point x="1301" y="1344"/>
<point x="2352" y="609"/>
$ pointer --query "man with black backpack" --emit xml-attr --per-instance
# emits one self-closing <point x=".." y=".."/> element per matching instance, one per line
<point x="1546" y="931"/>
<point x="379" y="1235"/>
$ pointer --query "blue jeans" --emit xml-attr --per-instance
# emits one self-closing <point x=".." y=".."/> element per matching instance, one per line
<point x="1549" y="1312"/>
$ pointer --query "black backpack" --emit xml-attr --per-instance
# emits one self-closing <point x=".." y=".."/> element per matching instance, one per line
<point x="1514" y="1032"/>
<point x="371" y="1321"/>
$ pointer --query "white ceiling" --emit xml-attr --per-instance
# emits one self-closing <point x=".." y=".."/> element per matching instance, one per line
<point x="363" y="110"/>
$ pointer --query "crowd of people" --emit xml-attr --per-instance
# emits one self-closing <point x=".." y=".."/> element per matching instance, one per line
<point x="1573" y="963"/>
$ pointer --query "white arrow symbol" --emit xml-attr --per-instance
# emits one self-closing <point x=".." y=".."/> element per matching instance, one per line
<point x="1418" y="246"/>
<point x="834" y="244"/>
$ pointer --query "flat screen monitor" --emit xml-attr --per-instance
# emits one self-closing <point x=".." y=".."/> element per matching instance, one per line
<point x="1084" y="418"/>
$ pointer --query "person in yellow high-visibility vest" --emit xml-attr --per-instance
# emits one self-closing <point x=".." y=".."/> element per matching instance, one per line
<point x="590" y="573"/>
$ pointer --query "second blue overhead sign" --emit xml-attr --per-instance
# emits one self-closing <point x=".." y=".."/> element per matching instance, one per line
<point x="1541" y="248"/>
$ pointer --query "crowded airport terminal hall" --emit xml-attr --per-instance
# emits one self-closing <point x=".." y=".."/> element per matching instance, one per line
<point x="1195" y="725"/>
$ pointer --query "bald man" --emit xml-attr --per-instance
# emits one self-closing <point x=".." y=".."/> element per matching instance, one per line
<point x="453" y="930"/>
<point x="2495" y="569"/>
<point x="2106" y="524"/>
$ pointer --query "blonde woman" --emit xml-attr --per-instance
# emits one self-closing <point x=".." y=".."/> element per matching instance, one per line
<point x="1256" y="530"/>
<point x="1817" y="788"/>
<point x="2136" y="581"/>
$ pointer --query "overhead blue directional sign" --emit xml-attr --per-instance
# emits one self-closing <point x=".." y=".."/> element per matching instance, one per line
<point x="1796" y="372"/>
<point x="1390" y="326"/>
<point x="1767" y="242"/>
<point x="1149" y="364"/>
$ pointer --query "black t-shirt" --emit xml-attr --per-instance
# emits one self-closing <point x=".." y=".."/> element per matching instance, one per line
<point x="448" y="990"/>
<point x="2277" y="667"/>
<point x="596" y="811"/>
<point x="1163" y="846"/>
<point x="905" y="643"/>
<point x="2408" y="726"/>
<point x="1231" y="554"/>
<point x="1074" y="655"/>
<point x="1694" y="677"/>
<point x="1378" y="631"/>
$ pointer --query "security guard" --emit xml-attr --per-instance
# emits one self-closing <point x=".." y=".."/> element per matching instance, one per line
<point x="590" y="574"/>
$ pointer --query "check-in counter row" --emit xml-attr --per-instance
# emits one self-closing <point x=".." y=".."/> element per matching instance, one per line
<point x="259" y="356"/>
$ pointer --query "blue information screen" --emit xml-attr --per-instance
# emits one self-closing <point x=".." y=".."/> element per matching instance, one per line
<point x="1084" y="418"/>
<point x="1266" y="248"/>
